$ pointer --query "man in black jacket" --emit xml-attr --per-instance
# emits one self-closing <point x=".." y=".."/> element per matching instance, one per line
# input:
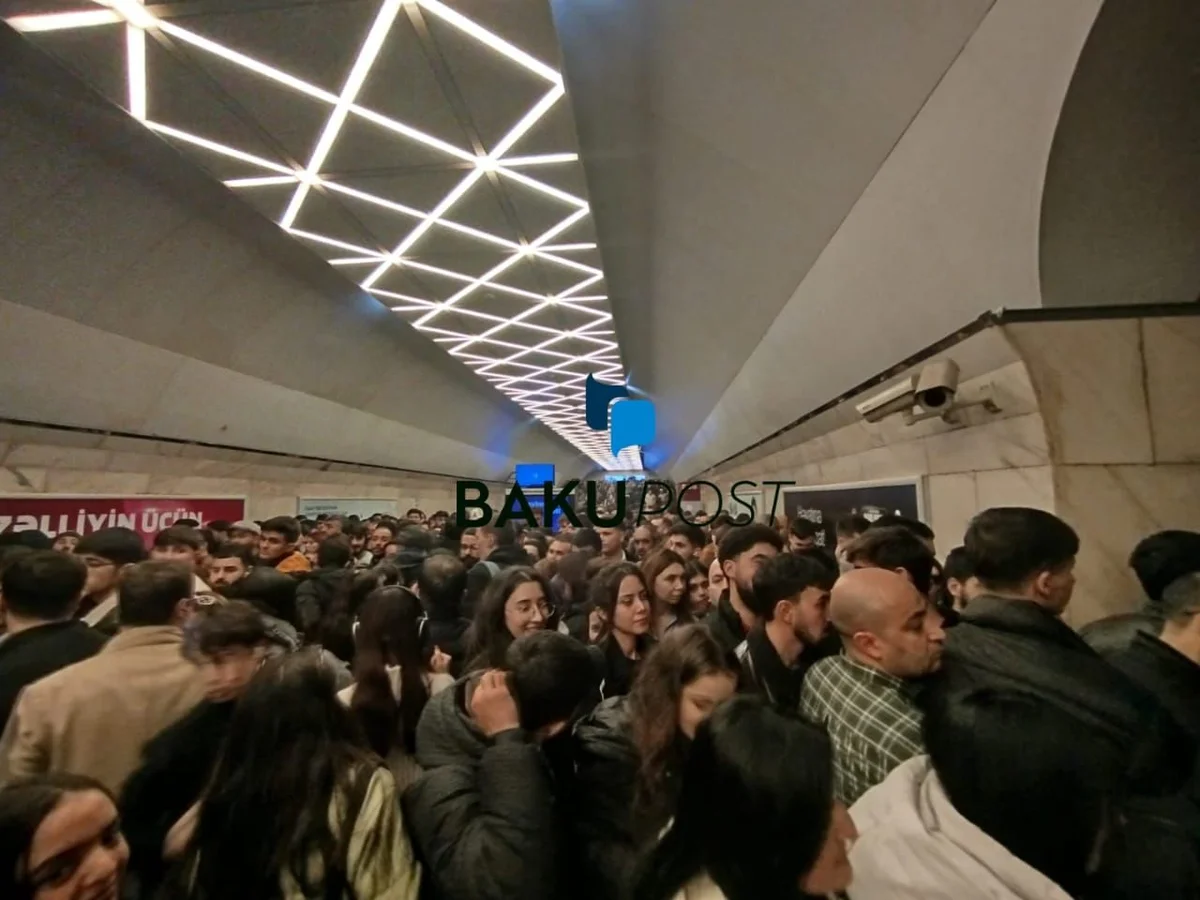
<point x="483" y="817"/>
<point x="316" y="592"/>
<point x="39" y="592"/>
<point x="742" y="551"/>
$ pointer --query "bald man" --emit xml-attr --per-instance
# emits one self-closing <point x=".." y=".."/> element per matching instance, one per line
<point x="891" y="635"/>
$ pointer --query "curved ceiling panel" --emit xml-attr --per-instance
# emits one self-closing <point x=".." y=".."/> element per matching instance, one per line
<point x="1121" y="210"/>
<point x="423" y="148"/>
<point x="113" y="233"/>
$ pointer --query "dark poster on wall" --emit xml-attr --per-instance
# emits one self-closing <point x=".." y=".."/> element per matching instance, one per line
<point x="826" y="504"/>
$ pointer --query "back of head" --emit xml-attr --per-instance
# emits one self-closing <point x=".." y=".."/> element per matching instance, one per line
<point x="334" y="552"/>
<point x="1180" y="601"/>
<point x="754" y="809"/>
<point x="785" y="576"/>
<point x="587" y="539"/>
<point x="389" y="634"/>
<point x="1015" y="766"/>
<point x="122" y="546"/>
<point x="224" y="626"/>
<point x="416" y="538"/>
<point x="150" y="593"/>
<point x="501" y="535"/>
<point x="894" y="547"/>
<point x="738" y="539"/>
<point x="179" y="536"/>
<point x="851" y="526"/>
<point x="269" y="591"/>
<point x="1163" y="557"/>
<point x="912" y="526"/>
<point x="552" y="677"/>
<point x="1007" y="547"/>
<point x="42" y="585"/>
<point x="441" y="582"/>
<point x="29" y="538"/>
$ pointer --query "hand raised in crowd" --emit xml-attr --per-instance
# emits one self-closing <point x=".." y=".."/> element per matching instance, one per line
<point x="493" y="706"/>
<point x="439" y="663"/>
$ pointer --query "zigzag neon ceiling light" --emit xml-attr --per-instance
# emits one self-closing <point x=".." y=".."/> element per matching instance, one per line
<point x="498" y="347"/>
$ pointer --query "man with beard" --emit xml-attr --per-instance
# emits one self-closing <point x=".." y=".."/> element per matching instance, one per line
<point x="742" y="552"/>
<point x="230" y="564"/>
<point x="791" y="596"/>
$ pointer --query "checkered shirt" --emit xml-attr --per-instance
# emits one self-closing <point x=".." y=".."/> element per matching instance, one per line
<point x="872" y="722"/>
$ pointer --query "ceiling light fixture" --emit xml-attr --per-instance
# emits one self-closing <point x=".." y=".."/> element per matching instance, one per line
<point x="490" y="39"/>
<point x="42" y="22"/>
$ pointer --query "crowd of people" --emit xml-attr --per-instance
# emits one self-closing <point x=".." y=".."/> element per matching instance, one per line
<point x="387" y="709"/>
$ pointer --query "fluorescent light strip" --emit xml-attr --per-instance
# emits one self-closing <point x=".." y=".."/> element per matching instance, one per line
<point x="219" y="148"/>
<point x="567" y="248"/>
<point x="355" y="261"/>
<point x="354" y="82"/>
<point x="135" y="59"/>
<point x="497" y="43"/>
<point x="264" y="181"/>
<point x="541" y="159"/>
<point x="341" y="245"/>
<point x="542" y="187"/>
<point x="408" y="131"/>
<point x="567" y="263"/>
<point x="37" y="23"/>
<point x="486" y="278"/>
<point x="526" y="122"/>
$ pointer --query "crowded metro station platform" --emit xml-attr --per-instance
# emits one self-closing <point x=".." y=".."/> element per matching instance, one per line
<point x="559" y="450"/>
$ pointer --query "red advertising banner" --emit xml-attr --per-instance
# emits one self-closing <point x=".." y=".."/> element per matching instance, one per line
<point x="84" y="514"/>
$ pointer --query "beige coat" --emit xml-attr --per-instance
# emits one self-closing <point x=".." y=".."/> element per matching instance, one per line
<point x="94" y="717"/>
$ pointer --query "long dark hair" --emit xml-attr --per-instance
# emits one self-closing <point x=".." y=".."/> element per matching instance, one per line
<point x="684" y="655"/>
<point x="24" y="805"/>
<point x="389" y="634"/>
<point x="292" y="747"/>
<point x="336" y="629"/>
<point x="755" y="807"/>
<point x="657" y="562"/>
<point x="488" y="638"/>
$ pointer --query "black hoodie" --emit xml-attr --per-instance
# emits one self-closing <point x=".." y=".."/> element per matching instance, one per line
<point x="482" y="817"/>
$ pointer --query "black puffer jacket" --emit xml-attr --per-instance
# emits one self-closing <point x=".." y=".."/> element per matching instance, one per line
<point x="1113" y="634"/>
<point x="482" y="817"/>
<point x="609" y="828"/>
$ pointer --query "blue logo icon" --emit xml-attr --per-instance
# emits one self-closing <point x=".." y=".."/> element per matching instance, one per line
<point x="633" y="421"/>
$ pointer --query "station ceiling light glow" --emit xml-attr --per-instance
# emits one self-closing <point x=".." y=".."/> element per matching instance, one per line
<point x="535" y="346"/>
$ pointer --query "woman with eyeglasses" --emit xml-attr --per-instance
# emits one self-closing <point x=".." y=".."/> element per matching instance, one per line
<point x="60" y="839"/>
<point x="516" y="603"/>
<point x="393" y="678"/>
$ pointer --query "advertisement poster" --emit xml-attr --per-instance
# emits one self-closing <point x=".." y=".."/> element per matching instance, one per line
<point x="825" y="504"/>
<point x="85" y="514"/>
<point x="311" y="507"/>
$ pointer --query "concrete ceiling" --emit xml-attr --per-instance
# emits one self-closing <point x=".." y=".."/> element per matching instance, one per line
<point x="425" y="149"/>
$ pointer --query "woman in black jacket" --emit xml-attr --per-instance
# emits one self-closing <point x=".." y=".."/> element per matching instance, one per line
<point x="630" y="751"/>
<point x="516" y="603"/>
<point x="620" y="595"/>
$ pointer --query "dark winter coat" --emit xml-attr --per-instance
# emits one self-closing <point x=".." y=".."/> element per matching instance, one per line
<point x="30" y="655"/>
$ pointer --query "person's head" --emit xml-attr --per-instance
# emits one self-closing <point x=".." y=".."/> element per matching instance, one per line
<point x="742" y="551"/>
<point x="41" y="586"/>
<point x="683" y="679"/>
<point x="695" y="576"/>
<point x="230" y="641"/>
<point x="268" y="590"/>
<point x="154" y="593"/>
<point x="490" y="538"/>
<point x="334" y="552"/>
<point x="792" y="591"/>
<point x="220" y="529"/>
<point x="389" y="634"/>
<point x="959" y="580"/>
<point x="415" y="515"/>
<point x="60" y="839"/>
<point x="291" y="747"/>
<point x="307" y="547"/>
<point x="848" y="528"/>
<point x="230" y="563"/>
<point x="553" y="681"/>
<point x="382" y="534"/>
<point x="612" y="537"/>
<point x="246" y="533"/>
<point x="468" y="546"/>
<point x="516" y="603"/>
<point x="886" y="623"/>
<point x="621" y="595"/>
<point x="181" y="544"/>
<point x="716" y="581"/>
<point x="1014" y="766"/>
<point x="1161" y="558"/>
<point x="685" y="539"/>
<point x="107" y="553"/>
<point x="66" y="541"/>
<point x="1180" y="607"/>
<point x="896" y="549"/>
<point x="558" y="547"/>
<point x="756" y="810"/>
<point x="802" y="534"/>
<point x="534" y="544"/>
<point x="1024" y="553"/>
<point x="279" y="538"/>
<point x="918" y="529"/>
<point x="356" y="534"/>
<point x="441" y="582"/>
<point x="643" y="540"/>
<point x="664" y="571"/>
<point x="587" y="539"/>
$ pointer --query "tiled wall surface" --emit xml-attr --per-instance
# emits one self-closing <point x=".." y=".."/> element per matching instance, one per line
<point x="37" y="461"/>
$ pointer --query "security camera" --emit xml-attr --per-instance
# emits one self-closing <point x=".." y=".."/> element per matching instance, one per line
<point x="936" y="386"/>
<point x="896" y="399"/>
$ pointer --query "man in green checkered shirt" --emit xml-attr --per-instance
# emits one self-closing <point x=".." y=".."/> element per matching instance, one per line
<point x="891" y="635"/>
